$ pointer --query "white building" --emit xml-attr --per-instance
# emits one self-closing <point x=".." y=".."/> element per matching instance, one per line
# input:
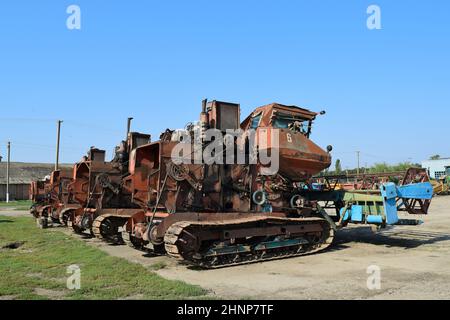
<point x="436" y="168"/>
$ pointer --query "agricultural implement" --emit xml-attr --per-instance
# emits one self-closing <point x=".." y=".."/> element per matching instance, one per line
<point x="254" y="202"/>
<point x="379" y="208"/>
<point x="217" y="215"/>
<point x="97" y="190"/>
<point x="442" y="185"/>
<point x="49" y="196"/>
<point x="38" y="196"/>
<point x="366" y="181"/>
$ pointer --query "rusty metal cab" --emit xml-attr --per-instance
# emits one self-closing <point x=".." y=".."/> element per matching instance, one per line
<point x="300" y="157"/>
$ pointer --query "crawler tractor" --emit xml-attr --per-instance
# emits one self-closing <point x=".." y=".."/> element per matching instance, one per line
<point x="97" y="191"/>
<point x="216" y="215"/>
<point x="49" y="197"/>
<point x="38" y="196"/>
<point x="223" y="193"/>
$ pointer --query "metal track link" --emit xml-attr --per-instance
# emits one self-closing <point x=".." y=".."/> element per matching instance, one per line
<point x="97" y="230"/>
<point x="174" y="240"/>
<point x="172" y="237"/>
<point x="130" y="241"/>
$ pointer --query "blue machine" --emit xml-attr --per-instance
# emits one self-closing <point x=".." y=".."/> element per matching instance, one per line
<point x="382" y="209"/>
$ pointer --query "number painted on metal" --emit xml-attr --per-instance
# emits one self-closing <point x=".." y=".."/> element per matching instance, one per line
<point x="289" y="138"/>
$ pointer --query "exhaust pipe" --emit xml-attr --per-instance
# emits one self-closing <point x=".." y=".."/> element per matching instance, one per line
<point x="128" y="128"/>
<point x="204" y="120"/>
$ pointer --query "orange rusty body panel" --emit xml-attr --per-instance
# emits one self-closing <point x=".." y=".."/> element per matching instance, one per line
<point x="37" y="190"/>
<point x="229" y="188"/>
<point x="300" y="158"/>
<point x="50" y="196"/>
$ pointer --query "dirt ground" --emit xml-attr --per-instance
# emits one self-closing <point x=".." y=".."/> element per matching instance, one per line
<point x="414" y="264"/>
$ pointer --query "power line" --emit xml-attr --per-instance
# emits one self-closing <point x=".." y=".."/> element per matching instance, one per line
<point x="27" y="120"/>
<point x="48" y="147"/>
<point x="91" y="126"/>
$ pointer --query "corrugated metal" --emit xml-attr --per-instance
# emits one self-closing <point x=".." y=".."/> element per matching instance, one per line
<point x="16" y="192"/>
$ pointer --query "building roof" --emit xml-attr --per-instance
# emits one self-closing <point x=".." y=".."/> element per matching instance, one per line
<point x="25" y="173"/>
<point x="437" y="160"/>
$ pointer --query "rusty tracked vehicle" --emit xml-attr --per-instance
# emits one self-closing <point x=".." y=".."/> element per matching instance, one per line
<point x="38" y="196"/>
<point x="49" y="197"/>
<point x="219" y="213"/>
<point x="216" y="215"/>
<point x="223" y="193"/>
<point x="96" y="190"/>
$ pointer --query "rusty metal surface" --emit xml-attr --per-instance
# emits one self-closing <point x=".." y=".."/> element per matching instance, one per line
<point x="142" y="195"/>
<point x="415" y="206"/>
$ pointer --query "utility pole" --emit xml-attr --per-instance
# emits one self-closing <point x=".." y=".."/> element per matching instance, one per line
<point x="58" y="140"/>
<point x="8" y="167"/>
<point x="358" y="153"/>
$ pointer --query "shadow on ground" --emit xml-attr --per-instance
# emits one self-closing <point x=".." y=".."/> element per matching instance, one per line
<point x="407" y="239"/>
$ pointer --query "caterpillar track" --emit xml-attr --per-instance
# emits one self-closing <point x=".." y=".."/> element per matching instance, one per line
<point x="106" y="227"/>
<point x="131" y="241"/>
<point x="212" y="245"/>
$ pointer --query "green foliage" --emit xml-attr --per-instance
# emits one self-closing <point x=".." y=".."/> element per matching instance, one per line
<point x="338" y="167"/>
<point x="381" y="167"/>
<point x="384" y="167"/>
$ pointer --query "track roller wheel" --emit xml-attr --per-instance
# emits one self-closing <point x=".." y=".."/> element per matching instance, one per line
<point x="305" y="236"/>
<point x="106" y="228"/>
<point x="76" y="229"/>
<point x="132" y="241"/>
<point x="180" y="250"/>
<point x="42" y="222"/>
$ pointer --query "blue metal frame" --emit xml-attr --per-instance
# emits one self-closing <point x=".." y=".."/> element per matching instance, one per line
<point x="390" y="193"/>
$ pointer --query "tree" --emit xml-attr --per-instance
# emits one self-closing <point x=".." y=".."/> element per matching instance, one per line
<point x="403" y="166"/>
<point x="338" y="166"/>
<point x="380" y="167"/>
<point x="435" y="157"/>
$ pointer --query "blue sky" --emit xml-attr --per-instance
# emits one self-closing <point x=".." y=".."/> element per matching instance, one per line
<point x="386" y="92"/>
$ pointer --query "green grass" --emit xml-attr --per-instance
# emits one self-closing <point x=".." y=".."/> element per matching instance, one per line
<point x="37" y="270"/>
<point x="17" y="205"/>
<point x="158" y="266"/>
